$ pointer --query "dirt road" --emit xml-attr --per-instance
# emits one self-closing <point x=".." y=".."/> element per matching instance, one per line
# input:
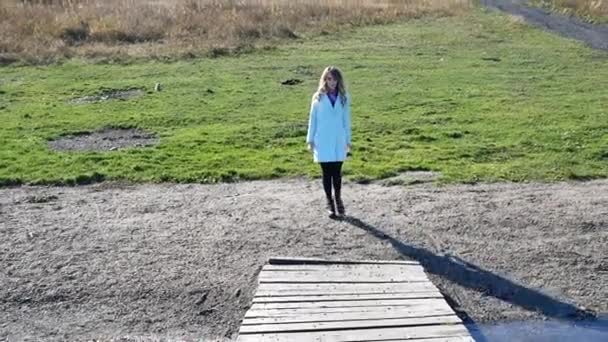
<point x="594" y="35"/>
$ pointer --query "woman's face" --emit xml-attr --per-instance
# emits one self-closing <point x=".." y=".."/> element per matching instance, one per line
<point x="331" y="81"/>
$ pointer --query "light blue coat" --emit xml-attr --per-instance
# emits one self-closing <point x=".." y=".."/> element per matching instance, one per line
<point x="329" y="128"/>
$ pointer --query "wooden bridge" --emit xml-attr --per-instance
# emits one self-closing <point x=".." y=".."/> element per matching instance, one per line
<point x="320" y="300"/>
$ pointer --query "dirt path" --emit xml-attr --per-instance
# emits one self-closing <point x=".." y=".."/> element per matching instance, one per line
<point x="109" y="261"/>
<point x="594" y="35"/>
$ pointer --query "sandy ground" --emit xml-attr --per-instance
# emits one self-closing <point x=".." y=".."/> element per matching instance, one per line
<point x="595" y="36"/>
<point x="110" y="261"/>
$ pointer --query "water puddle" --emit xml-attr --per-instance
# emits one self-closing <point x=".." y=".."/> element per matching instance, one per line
<point x="542" y="331"/>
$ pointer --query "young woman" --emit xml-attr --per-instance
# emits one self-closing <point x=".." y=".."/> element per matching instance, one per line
<point x="329" y="134"/>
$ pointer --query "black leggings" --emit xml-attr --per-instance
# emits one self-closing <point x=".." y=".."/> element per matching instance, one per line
<point x="332" y="175"/>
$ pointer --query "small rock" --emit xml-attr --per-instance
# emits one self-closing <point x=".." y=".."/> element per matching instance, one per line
<point x="202" y="299"/>
<point x="157" y="87"/>
<point x="206" y="312"/>
<point x="237" y="293"/>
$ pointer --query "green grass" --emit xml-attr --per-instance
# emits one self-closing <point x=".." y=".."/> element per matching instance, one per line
<point x="476" y="98"/>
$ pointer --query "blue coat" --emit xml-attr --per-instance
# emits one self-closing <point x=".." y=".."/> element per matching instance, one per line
<point x="329" y="128"/>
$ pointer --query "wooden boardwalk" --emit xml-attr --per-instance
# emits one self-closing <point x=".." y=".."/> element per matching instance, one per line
<point x="319" y="300"/>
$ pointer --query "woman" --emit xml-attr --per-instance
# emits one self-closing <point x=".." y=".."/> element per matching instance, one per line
<point x="329" y="134"/>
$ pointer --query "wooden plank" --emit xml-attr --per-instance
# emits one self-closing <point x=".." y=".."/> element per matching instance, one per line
<point x="430" y="302"/>
<point x="440" y="339"/>
<point x="349" y="273"/>
<point x="340" y="277"/>
<point x="264" y="338"/>
<point x="360" y="335"/>
<point x="421" y="309"/>
<point x="346" y="297"/>
<point x="356" y="324"/>
<point x="299" y="261"/>
<point x="346" y="287"/>
<point x="348" y="316"/>
<point x="343" y="267"/>
<point x="336" y="292"/>
<point x="332" y="312"/>
<point x="270" y="289"/>
<point x="340" y="266"/>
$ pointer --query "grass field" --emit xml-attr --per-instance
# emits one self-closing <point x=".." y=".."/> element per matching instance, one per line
<point x="479" y="97"/>
<point x="595" y="11"/>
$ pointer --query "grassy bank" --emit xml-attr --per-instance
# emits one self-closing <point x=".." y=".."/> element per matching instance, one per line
<point x="476" y="98"/>
<point x="44" y="31"/>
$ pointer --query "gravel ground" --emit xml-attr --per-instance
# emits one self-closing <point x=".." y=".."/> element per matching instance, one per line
<point x="118" y="262"/>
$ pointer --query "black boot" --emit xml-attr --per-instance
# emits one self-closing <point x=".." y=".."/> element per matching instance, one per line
<point x="331" y="209"/>
<point x="340" y="206"/>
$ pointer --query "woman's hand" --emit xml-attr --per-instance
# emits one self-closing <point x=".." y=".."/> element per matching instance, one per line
<point x="311" y="146"/>
<point x="348" y="147"/>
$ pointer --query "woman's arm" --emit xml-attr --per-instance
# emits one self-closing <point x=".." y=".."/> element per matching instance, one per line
<point x="346" y="121"/>
<point x="312" y="124"/>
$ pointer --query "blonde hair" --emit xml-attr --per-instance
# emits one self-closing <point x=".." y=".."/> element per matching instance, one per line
<point x="323" y="88"/>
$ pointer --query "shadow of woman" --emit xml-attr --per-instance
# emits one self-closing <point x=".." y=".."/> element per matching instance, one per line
<point x="471" y="276"/>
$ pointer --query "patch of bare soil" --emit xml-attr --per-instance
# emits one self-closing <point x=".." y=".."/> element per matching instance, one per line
<point x="124" y="262"/>
<point x="595" y="35"/>
<point x="410" y="178"/>
<point x="109" y="94"/>
<point x="104" y="140"/>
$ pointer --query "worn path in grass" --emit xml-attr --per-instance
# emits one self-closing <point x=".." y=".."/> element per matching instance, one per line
<point x="596" y="35"/>
<point x="181" y="260"/>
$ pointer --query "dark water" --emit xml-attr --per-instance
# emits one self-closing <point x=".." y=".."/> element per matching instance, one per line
<point x="542" y="331"/>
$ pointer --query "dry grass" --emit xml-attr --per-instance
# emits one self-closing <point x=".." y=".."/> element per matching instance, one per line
<point x="592" y="9"/>
<point x="41" y="31"/>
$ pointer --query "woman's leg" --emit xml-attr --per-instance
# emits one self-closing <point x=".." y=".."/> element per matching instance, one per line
<point x="327" y="180"/>
<point x="337" y="183"/>
<point x="336" y="178"/>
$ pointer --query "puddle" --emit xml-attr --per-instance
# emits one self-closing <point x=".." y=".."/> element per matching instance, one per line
<point x="109" y="94"/>
<point x="104" y="140"/>
<point x="542" y="331"/>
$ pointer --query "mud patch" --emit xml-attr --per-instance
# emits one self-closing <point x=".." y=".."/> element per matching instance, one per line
<point x="109" y="94"/>
<point x="104" y="140"/>
<point x="410" y="177"/>
<point x="292" y="81"/>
